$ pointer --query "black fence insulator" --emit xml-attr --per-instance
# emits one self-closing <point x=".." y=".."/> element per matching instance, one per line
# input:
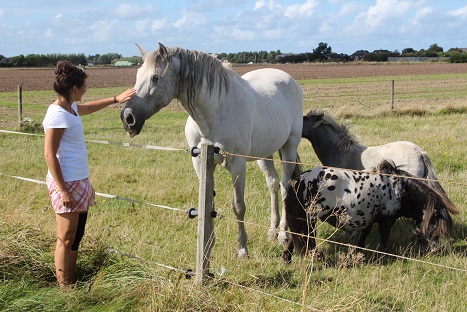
<point x="189" y="273"/>
<point x="195" y="151"/>
<point x="192" y="213"/>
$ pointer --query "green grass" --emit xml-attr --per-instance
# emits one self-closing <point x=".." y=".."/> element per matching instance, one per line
<point x="339" y="279"/>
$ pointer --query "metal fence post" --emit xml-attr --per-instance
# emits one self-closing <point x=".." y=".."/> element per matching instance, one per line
<point x="205" y="213"/>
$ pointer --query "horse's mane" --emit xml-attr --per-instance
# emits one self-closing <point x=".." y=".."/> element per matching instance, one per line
<point x="438" y="205"/>
<point x="197" y="67"/>
<point x="347" y="141"/>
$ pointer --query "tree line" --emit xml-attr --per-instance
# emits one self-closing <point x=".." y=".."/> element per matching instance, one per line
<point x="322" y="53"/>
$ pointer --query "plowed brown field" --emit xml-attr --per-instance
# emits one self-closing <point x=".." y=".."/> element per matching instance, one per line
<point x="42" y="79"/>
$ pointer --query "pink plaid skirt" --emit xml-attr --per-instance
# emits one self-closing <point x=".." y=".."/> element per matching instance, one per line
<point x="81" y="190"/>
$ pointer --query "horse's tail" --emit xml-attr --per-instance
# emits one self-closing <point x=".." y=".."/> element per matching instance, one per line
<point x="437" y="221"/>
<point x="432" y="178"/>
<point x="296" y="215"/>
<point x="430" y="173"/>
<point x="297" y="171"/>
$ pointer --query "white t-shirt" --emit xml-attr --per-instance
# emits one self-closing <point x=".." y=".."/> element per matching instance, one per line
<point x="72" y="153"/>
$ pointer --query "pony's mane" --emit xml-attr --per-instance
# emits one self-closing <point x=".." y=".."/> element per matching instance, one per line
<point x="347" y="140"/>
<point x="197" y="67"/>
<point x="438" y="207"/>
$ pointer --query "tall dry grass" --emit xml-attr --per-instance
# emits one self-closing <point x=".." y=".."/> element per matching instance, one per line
<point x="157" y="245"/>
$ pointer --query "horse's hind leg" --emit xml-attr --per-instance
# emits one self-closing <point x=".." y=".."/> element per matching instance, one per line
<point x="272" y="181"/>
<point x="289" y="156"/>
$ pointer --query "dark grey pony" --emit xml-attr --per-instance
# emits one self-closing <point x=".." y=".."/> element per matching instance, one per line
<point x="335" y="146"/>
<point x="353" y="201"/>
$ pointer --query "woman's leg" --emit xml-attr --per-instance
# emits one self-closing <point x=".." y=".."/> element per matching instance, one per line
<point x="67" y="224"/>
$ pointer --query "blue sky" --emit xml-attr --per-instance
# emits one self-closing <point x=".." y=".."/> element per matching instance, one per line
<point x="215" y="26"/>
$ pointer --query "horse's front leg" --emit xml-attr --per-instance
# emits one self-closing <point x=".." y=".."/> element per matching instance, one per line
<point x="385" y="227"/>
<point x="272" y="181"/>
<point x="238" y="171"/>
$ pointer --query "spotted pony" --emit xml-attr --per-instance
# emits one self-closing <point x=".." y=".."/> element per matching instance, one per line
<point x="354" y="200"/>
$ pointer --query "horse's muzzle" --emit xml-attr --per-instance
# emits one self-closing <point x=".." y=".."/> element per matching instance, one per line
<point x="130" y="123"/>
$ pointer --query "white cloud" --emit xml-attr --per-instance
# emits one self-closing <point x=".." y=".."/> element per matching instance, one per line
<point x="158" y="24"/>
<point x="349" y="8"/>
<point x="299" y="10"/>
<point x="126" y="11"/>
<point x="103" y="31"/>
<point x="190" y="19"/>
<point x="385" y="11"/>
<point x="268" y="5"/>
<point x="141" y="25"/>
<point x="421" y="15"/>
<point x="459" y="13"/>
<point x="58" y="17"/>
<point x="49" y="34"/>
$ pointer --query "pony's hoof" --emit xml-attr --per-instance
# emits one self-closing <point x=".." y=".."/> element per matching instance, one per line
<point x="282" y="238"/>
<point x="242" y="253"/>
<point x="286" y="257"/>
<point x="272" y="235"/>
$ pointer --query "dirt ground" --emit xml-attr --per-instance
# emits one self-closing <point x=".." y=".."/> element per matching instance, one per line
<point x="42" y="79"/>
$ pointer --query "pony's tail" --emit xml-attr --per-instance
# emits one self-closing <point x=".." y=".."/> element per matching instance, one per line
<point x="438" y="208"/>
<point x="296" y="215"/>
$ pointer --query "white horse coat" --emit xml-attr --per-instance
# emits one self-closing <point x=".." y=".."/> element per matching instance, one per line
<point x="256" y="115"/>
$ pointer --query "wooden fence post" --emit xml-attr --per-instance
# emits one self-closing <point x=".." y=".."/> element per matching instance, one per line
<point x="20" y="105"/>
<point x="205" y="213"/>
<point x="392" y="95"/>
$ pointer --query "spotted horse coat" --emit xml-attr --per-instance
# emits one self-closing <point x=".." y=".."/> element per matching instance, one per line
<point x="354" y="200"/>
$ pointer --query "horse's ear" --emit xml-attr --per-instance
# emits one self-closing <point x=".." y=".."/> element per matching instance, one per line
<point x="320" y="116"/>
<point x="142" y="51"/>
<point x="163" y="52"/>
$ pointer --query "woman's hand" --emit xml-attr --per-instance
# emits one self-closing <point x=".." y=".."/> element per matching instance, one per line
<point x="125" y="96"/>
<point x="67" y="199"/>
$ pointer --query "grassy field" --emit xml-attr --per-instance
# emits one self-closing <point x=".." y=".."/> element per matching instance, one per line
<point x="156" y="245"/>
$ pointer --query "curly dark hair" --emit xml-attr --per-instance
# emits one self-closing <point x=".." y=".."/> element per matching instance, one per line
<point x="68" y="75"/>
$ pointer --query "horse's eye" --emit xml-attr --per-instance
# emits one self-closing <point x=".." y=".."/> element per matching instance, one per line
<point x="155" y="78"/>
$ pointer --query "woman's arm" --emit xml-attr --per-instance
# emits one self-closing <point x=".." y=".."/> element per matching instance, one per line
<point x="51" y="145"/>
<point x="94" y="106"/>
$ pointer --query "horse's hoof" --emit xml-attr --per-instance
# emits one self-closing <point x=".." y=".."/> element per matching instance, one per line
<point x="272" y="235"/>
<point x="242" y="253"/>
<point x="286" y="257"/>
<point x="282" y="238"/>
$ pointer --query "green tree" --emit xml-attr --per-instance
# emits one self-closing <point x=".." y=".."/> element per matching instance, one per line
<point x="408" y="51"/>
<point x="435" y="48"/>
<point x="321" y="53"/>
<point x="458" y="57"/>
<point x="17" y="61"/>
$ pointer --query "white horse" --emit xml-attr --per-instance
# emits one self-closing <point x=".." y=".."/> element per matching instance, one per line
<point x="253" y="115"/>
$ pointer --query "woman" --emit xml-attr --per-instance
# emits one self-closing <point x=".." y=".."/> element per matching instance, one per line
<point x="66" y="156"/>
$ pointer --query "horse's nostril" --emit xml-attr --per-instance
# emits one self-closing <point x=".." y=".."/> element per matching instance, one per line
<point x="130" y="119"/>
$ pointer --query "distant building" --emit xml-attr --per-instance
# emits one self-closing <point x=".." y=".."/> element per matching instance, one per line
<point x="123" y="64"/>
<point x="358" y="55"/>
<point x="382" y="51"/>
